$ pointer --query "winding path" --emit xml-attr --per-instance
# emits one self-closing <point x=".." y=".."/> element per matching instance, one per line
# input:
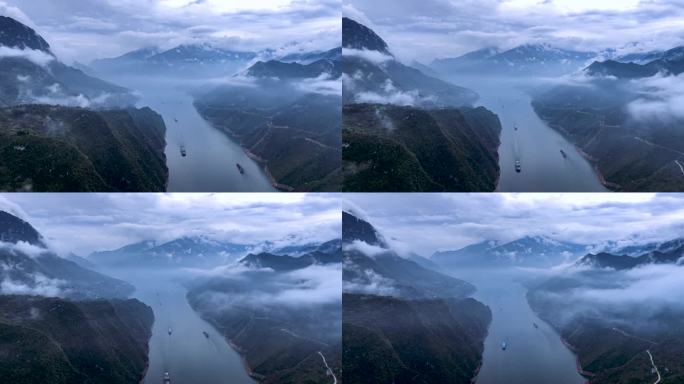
<point x="681" y="168"/>
<point x="330" y="371"/>
<point x="654" y="366"/>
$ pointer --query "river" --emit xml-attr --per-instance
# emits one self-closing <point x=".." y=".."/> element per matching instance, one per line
<point x="536" y="145"/>
<point x="187" y="354"/>
<point x="210" y="164"/>
<point x="534" y="355"/>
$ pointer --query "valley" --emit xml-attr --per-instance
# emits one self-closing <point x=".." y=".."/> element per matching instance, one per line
<point x="549" y="162"/>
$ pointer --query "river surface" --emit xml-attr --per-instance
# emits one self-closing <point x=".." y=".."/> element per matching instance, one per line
<point x="210" y="164"/>
<point x="534" y="355"/>
<point x="536" y="145"/>
<point x="189" y="356"/>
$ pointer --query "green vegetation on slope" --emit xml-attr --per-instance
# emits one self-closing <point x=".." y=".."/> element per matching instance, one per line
<point x="53" y="149"/>
<point x="51" y="340"/>
<point x="408" y="149"/>
<point x="389" y="340"/>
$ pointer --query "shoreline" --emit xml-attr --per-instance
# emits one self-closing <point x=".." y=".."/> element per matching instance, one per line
<point x="263" y="163"/>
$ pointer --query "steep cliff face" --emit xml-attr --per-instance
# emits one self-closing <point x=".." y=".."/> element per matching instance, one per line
<point x="53" y="148"/>
<point x="395" y="148"/>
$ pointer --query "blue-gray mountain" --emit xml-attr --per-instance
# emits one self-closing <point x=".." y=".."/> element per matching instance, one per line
<point x="634" y="149"/>
<point x="530" y="59"/>
<point x="30" y="267"/>
<point x="190" y="59"/>
<point x="50" y="114"/>
<point x="86" y="332"/>
<point x="406" y="131"/>
<point x="529" y="251"/>
<point x="403" y="323"/>
<point x="670" y="62"/>
<point x="198" y="251"/>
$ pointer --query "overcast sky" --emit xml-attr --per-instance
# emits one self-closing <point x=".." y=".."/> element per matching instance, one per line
<point x="82" y="30"/>
<point x="425" y="223"/>
<point x="83" y="223"/>
<point x="428" y="29"/>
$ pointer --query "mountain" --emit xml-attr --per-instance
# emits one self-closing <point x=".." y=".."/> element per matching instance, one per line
<point x="48" y="146"/>
<point x="457" y="64"/>
<point x="402" y="322"/>
<point x="14" y="230"/>
<point x="32" y="268"/>
<point x="530" y="251"/>
<point x="358" y="36"/>
<point x="620" y="70"/>
<point x="404" y="131"/>
<point x="188" y="59"/>
<point x="31" y="73"/>
<point x="528" y="59"/>
<point x="374" y="74"/>
<point x="633" y="149"/>
<point x="385" y="270"/>
<point x="287" y="324"/>
<point x="50" y="149"/>
<point x="57" y="341"/>
<point x="670" y="62"/>
<point x="329" y="252"/>
<point x="294" y="133"/>
<point x="198" y="251"/>
<point x="389" y="340"/>
<point x="334" y="54"/>
<point x="623" y="262"/>
<point x="617" y="329"/>
<point x="14" y="34"/>
<point x="284" y="70"/>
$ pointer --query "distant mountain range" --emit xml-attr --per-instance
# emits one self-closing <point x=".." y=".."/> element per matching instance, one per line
<point x="327" y="253"/>
<point x="670" y="62"/>
<point x="292" y="70"/>
<point x="529" y="251"/>
<point x="544" y="252"/>
<point x="183" y="252"/>
<point x="32" y="268"/>
<point x="208" y="60"/>
<point x="533" y="59"/>
<point x="671" y="252"/>
<point x="186" y="59"/>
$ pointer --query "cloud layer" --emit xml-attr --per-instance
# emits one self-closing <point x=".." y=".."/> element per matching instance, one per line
<point x="83" y="30"/>
<point x="83" y="223"/>
<point x="428" y="29"/>
<point x="425" y="223"/>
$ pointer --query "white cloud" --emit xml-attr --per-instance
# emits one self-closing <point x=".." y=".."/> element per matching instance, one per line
<point x="40" y="286"/>
<point x="83" y="223"/>
<point x="365" y="248"/>
<point x="661" y="98"/>
<point x="24" y="248"/>
<point x="374" y="57"/>
<point x="35" y="56"/>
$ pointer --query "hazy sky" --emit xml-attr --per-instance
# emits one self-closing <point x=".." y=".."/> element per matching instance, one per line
<point x="424" y="223"/>
<point x="87" y="222"/>
<point x="428" y="29"/>
<point x="82" y="30"/>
